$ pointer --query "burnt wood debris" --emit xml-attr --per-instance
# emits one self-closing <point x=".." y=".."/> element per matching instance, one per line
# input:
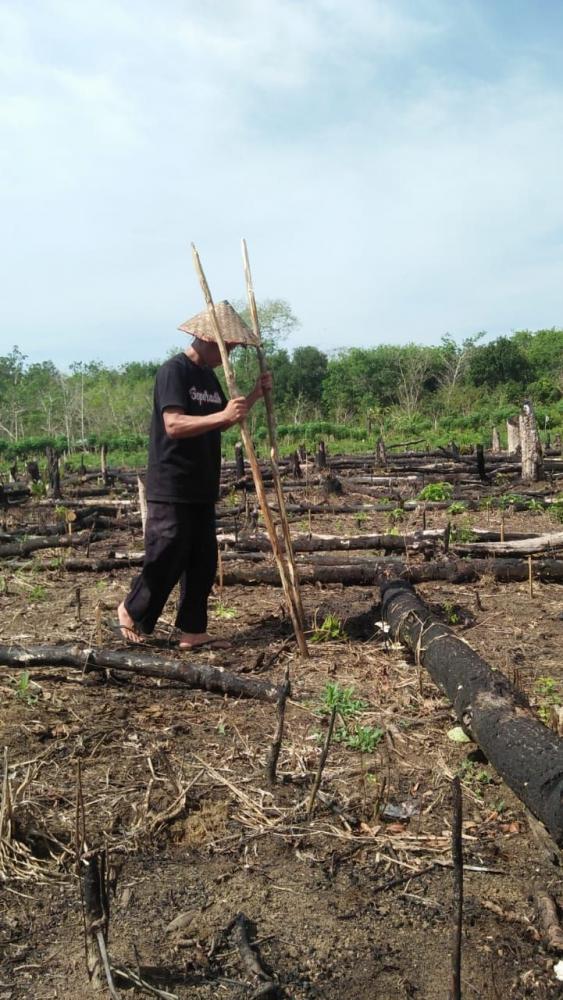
<point x="91" y="523"/>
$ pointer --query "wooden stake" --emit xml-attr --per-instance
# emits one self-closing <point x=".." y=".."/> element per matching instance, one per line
<point x="272" y="762"/>
<point x="256" y="474"/>
<point x="273" y="436"/>
<point x="530" y="577"/>
<point x="322" y="761"/>
<point x="457" y="859"/>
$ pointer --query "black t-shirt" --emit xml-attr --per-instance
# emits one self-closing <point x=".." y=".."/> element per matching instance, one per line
<point x="185" y="470"/>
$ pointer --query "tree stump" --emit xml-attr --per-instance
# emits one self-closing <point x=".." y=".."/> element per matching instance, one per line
<point x="513" y="432"/>
<point x="53" y="472"/>
<point x="381" y="453"/>
<point x="239" y="460"/>
<point x="530" y="444"/>
<point x="320" y="460"/>
<point x="495" y="445"/>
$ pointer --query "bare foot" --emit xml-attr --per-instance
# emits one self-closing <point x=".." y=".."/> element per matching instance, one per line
<point x="127" y="625"/>
<point x="193" y="640"/>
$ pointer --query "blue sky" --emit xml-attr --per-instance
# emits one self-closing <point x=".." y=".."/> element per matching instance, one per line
<point x="395" y="166"/>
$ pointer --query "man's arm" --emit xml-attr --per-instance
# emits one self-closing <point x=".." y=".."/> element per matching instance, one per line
<point x="179" y="424"/>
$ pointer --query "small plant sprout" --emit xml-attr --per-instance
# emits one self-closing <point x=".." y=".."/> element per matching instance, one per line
<point x="38" y="592"/>
<point x="547" y="691"/>
<point x="457" y="507"/>
<point x="463" y="533"/>
<point x="362" y="738"/>
<point x="23" y="688"/>
<point x="343" y="699"/>
<point x="437" y="492"/>
<point x="361" y="518"/>
<point x="330" y="631"/>
<point x="221" y="610"/>
<point x="451" y="613"/>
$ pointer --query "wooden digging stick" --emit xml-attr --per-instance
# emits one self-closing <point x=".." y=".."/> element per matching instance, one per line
<point x="272" y="433"/>
<point x="256" y="474"/>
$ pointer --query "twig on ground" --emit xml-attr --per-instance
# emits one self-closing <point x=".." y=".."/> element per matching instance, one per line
<point x="322" y="761"/>
<point x="457" y="859"/>
<point x="274" y="753"/>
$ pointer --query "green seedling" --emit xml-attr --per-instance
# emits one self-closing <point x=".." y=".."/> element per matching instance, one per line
<point x="361" y="518"/>
<point x="457" y="507"/>
<point x="38" y="592"/>
<point x="23" y="687"/>
<point x="535" y="506"/>
<point x="330" y="631"/>
<point x="396" y="515"/>
<point x="462" y="533"/>
<point x="451" y="613"/>
<point x="547" y="691"/>
<point x="222" y="610"/>
<point x="38" y="489"/>
<point x="509" y="499"/>
<point x="362" y="738"/>
<point x="436" y="492"/>
<point x="343" y="699"/>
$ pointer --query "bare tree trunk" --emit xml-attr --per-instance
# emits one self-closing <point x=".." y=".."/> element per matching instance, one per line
<point x="53" y="473"/>
<point x="532" y="454"/>
<point x="513" y="431"/>
<point x="495" y="446"/>
<point x="380" y="453"/>
<point x="142" y="502"/>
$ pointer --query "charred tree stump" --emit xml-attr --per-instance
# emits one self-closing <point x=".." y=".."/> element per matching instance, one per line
<point x="142" y="503"/>
<point x="295" y="466"/>
<point x="320" y="460"/>
<point x="495" y="445"/>
<point x="104" y="463"/>
<point x="513" y="432"/>
<point x="381" y="453"/>
<point x="53" y="472"/>
<point x="33" y="471"/>
<point x="239" y="461"/>
<point x="480" y="453"/>
<point x="530" y="444"/>
<point x="527" y="755"/>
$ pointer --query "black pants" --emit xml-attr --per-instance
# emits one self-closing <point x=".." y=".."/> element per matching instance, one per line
<point x="180" y="545"/>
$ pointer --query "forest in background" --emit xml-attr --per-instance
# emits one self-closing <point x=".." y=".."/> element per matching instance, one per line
<point x="450" y="391"/>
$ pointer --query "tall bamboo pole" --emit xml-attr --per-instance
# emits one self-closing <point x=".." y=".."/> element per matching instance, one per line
<point x="257" y="475"/>
<point x="272" y="432"/>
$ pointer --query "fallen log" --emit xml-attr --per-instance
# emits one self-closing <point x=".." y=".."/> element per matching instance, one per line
<point x="527" y="755"/>
<point x="521" y="547"/>
<point x="368" y="572"/>
<point x="51" y="542"/>
<point x="359" y="573"/>
<point x="259" y="542"/>
<point x="194" y="675"/>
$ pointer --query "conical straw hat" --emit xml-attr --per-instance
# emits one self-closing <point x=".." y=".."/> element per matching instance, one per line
<point x="232" y="326"/>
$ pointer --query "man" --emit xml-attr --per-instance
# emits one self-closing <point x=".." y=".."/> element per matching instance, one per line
<point x="190" y="411"/>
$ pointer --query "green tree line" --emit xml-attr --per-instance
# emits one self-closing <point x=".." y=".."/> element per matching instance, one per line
<point x="460" y="387"/>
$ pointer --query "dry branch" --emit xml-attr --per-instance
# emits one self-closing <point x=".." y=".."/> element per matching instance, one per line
<point x="527" y="754"/>
<point x="194" y="675"/>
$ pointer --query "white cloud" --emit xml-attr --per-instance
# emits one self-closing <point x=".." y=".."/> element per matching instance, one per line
<point x="371" y="181"/>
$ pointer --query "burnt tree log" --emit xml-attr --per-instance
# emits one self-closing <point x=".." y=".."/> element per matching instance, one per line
<point x="519" y="547"/>
<point x="530" y="445"/>
<point x="359" y="573"/>
<point x="527" y="755"/>
<point x="194" y="675"/>
<point x="369" y="572"/>
<point x="50" y="542"/>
